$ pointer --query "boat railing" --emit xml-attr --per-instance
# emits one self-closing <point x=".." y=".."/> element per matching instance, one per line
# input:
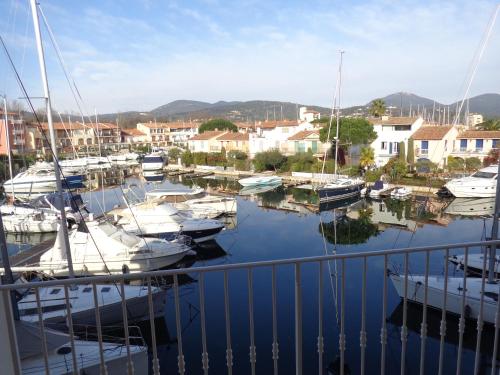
<point x="301" y="270"/>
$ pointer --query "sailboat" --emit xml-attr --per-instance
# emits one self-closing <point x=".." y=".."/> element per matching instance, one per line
<point x="340" y="187"/>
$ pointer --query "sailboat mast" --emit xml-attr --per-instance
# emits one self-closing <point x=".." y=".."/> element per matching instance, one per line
<point x="43" y="72"/>
<point x="7" y="139"/>
<point x="338" y="115"/>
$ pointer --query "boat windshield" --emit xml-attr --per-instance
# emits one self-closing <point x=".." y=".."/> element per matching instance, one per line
<point x="480" y="174"/>
<point x="153" y="159"/>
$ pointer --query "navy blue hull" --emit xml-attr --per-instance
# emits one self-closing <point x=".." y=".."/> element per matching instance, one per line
<point x="338" y="193"/>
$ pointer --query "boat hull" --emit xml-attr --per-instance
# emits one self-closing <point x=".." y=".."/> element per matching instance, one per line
<point x="327" y="194"/>
<point x="472" y="189"/>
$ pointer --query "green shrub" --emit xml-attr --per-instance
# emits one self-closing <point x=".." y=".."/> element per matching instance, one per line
<point x="269" y="161"/>
<point x="472" y="164"/>
<point x="187" y="158"/>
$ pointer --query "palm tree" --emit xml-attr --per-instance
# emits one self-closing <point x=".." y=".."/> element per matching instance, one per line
<point x="491" y="124"/>
<point x="367" y="157"/>
<point x="377" y="108"/>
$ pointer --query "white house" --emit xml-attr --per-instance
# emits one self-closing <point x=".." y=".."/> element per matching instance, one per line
<point x="274" y="135"/>
<point x="390" y="132"/>
<point x="181" y="132"/>
<point x="205" y="142"/>
<point x="308" y="115"/>
<point x="476" y="143"/>
<point x="434" y="142"/>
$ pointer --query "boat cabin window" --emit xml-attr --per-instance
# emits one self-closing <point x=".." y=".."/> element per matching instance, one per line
<point x="45" y="309"/>
<point x="55" y="291"/>
<point x="105" y="289"/>
<point x="153" y="159"/>
<point x="480" y="174"/>
<point x="87" y="290"/>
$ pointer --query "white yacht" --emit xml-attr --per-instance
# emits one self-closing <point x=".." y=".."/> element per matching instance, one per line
<point x="60" y="355"/>
<point x="154" y="161"/>
<point x="53" y="303"/>
<point x="260" y="180"/>
<point x="100" y="248"/>
<point x="196" y="201"/>
<point x="153" y="218"/>
<point x="415" y="293"/>
<point x="481" y="184"/>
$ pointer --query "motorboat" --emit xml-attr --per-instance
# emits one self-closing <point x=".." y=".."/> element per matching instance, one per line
<point x="481" y="184"/>
<point x="30" y="223"/>
<point x="81" y="297"/>
<point x="154" y="161"/>
<point x="378" y="188"/>
<point x="153" y="218"/>
<point x="60" y="354"/>
<point x="471" y="207"/>
<point x="341" y="188"/>
<point x="40" y="178"/>
<point x="401" y="192"/>
<point x="100" y="248"/>
<point x="455" y="292"/>
<point x="260" y="180"/>
<point x="129" y="156"/>
<point x="196" y="201"/>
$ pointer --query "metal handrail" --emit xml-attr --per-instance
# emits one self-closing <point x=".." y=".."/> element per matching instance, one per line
<point x="265" y="263"/>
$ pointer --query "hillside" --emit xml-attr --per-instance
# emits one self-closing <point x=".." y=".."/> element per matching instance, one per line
<point x="486" y="104"/>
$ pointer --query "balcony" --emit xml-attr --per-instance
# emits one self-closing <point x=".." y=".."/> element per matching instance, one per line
<point x="314" y="323"/>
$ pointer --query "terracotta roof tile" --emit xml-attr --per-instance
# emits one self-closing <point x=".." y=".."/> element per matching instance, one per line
<point x="231" y="136"/>
<point x="303" y="135"/>
<point x="276" y="124"/>
<point x="207" y="135"/>
<point x="133" y="132"/>
<point x="480" y="134"/>
<point x="431" y="132"/>
<point x="392" y="120"/>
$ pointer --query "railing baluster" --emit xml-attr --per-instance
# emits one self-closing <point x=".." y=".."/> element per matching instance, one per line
<point x="495" y="342"/>
<point x="204" y="356"/>
<point x="130" y="366"/>
<point x="442" y="328"/>
<point x="180" y="358"/>
<point x="362" y="334"/>
<point x="320" y="319"/>
<point x="253" y="354"/>
<point x="229" y="350"/>
<point x="404" y="328"/>
<point x="481" y="312"/>
<point x="342" y="342"/>
<point x="461" y="324"/>
<point x="298" y="320"/>
<point x="383" y="330"/>
<point x="275" y="324"/>
<point x="69" y="318"/>
<point x="103" y="368"/>
<point x="423" y="328"/>
<point x="156" y="362"/>
<point x="42" y="331"/>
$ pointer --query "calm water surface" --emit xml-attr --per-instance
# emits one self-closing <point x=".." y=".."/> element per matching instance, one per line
<point x="279" y="224"/>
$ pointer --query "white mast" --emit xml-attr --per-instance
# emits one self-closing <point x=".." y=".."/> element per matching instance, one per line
<point x="338" y="115"/>
<point x="7" y="137"/>
<point x="43" y="72"/>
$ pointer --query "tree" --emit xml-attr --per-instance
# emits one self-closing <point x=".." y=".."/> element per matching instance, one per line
<point x="187" y="158"/>
<point x="395" y="168"/>
<point x="455" y="163"/>
<point x="377" y="108"/>
<point x="174" y="153"/>
<point x="357" y="131"/>
<point x="367" y="157"/>
<point x="402" y="153"/>
<point x="491" y="124"/>
<point x="269" y="160"/>
<point x="218" y="124"/>
<point x="472" y="164"/>
<point x="410" y="158"/>
<point x="492" y="157"/>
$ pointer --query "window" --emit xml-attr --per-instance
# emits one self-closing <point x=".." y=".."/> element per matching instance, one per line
<point x="446" y="145"/>
<point x="87" y="289"/>
<point x="479" y="145"/>
<point x="424" y="147"/>
<point x="463" y="145"/>
<point x="105" y="289"/>
<point x="402" y="127"/>
<point x="55" y="291"/>
<point x="495" y="143"/>
<point x="314" y="146"/>
<point x="395" y="147"/>
<point x="383" y="146"/>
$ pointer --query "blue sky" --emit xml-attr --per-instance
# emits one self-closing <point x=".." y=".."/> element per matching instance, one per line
<point x="137" y="55"/>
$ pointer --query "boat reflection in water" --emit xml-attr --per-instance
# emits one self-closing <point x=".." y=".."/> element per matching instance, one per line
<point x="414" y="324"/>
<point x="471" y="207"/>
<point x="342" y="203"/>
<point x="153" y="176"/>
<point x="251" y="190"/>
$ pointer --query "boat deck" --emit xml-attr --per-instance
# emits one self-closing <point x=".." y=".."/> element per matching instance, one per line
<point x="30" y="256"/>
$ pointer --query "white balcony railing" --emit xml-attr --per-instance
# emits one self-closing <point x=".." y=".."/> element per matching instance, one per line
<point x="296" y="343"/>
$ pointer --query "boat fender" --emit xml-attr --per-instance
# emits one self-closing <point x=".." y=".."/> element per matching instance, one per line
<point x="125" y="269"/>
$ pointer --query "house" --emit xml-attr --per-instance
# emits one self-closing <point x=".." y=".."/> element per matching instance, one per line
<point x="180" y="132"/>
<point x="205" y="142"/>
<point x="434" y="143"/>
<point x="157" y="133"/>
<point x="234" y="141"/>
<point x="474" y="119"/>
<point x="390" y="132"/>
<point x="271" y="135"/>
<point x="304" y="141"/>
<point x="17" y="134"/>
<point x="476" y="143"/>
<point x="133" y="136"/>
<point x="308" y="115"/>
